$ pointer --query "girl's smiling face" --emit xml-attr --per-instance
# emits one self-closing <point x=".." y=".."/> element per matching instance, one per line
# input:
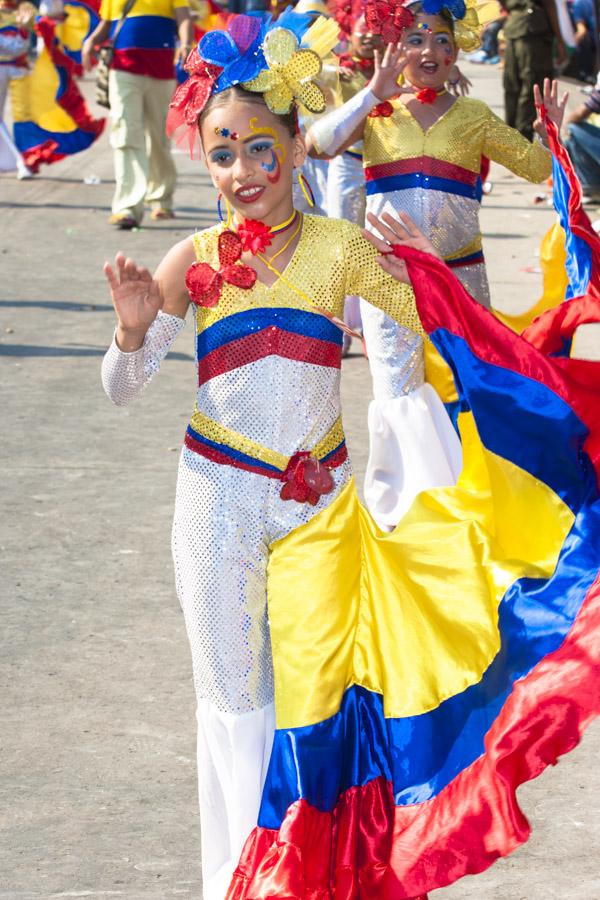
<point x="251" y="156"/>
<point x="429" y="47"/>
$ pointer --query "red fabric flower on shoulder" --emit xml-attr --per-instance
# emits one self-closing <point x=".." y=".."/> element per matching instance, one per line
<point x="255" y="236"/>
<point x="388" y="18"/>
<point x="205" y="284"/>
<point x="384" y="110"/>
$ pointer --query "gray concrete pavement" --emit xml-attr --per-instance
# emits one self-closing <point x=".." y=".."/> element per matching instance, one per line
<point x="97" y="776"/>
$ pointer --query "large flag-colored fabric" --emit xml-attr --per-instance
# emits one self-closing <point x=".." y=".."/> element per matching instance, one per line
<point x="429" y="672"/>
<point x="51" y="118"/>
<point x="80" y="19"/>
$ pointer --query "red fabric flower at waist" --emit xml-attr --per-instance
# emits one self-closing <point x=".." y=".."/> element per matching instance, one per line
<point x="306" y="479"/>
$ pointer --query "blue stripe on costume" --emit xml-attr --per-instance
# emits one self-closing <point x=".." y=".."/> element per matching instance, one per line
<point x="425" y="182"/>
<point x="233" y="454"/>
<point x="496" y="395"/>
<point x="421" y="755"/>
<point x="145" y="33"/>
<point x="241" y="324"/>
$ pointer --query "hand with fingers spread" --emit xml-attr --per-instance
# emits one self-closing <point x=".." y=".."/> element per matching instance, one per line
<point x="388" y="69"/>
<point x="136" y="298"/>
<point x="554" y="109"/>
<point x="458" y="83"/>
<point x="401" y="231"/>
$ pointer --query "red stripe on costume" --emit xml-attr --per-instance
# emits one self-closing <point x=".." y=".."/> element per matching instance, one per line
<point x="218" y="456"/>
<point x="425" y="165"/>
<point x="442" y="302"/>
<point x="149" y="62"/>
<point x="370" y="849"/>
<point x="271" y="341"/>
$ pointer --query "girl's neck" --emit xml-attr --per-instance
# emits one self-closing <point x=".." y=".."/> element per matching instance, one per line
<point x="274" y="219"/>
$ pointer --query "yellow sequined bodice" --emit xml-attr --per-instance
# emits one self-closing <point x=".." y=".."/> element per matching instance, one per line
<point x="332" y="260"/>
<point x="468" y="131"/>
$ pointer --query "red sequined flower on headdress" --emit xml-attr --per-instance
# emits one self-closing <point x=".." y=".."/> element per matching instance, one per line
<point x="342" y="12"/>
<point x="255" y="236"/>
<point x="306" y="479"/>
<point x="190" y="98"/>
<point x="388" y="18"/>
<point x="205" y="284"/>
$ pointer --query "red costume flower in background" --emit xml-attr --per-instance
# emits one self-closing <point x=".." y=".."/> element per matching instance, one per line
<point x="343" y="14"/>
<point x="255" y="236"/>
<point x="306" y="479"/>
<point x="205" y="284"/>
<point x="385" y="110"/>
<point x="427" y="95"/>
<point x="388" y="18"/>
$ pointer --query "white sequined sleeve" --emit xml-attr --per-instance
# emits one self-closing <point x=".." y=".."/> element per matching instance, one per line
<point x="124" y="375"/>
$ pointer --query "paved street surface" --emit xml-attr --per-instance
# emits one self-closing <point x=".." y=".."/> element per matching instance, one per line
<point x="97" y="741"/>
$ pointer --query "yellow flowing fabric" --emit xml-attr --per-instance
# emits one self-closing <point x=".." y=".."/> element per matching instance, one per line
<point x="397" y="613"/>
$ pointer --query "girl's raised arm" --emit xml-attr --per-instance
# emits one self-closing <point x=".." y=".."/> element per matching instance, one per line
<point x="150" y="314"/>
<point x="137" y="296"/>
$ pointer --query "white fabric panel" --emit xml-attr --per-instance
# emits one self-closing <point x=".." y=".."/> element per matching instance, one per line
<point x="413" y="447"/>
<point x="233" y="757"/>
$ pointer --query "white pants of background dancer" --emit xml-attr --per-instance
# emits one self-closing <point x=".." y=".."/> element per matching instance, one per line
<point x="346" y="200"/>
<point x="10" y="157"/>
<point x="225" y="521"/>
<point x="404" y="405"/>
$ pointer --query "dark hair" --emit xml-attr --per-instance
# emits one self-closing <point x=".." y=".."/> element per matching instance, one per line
<point x="445" y="14"/>
<point x="288" y="120"/>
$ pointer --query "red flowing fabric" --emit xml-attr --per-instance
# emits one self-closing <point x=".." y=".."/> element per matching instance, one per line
<point x="369" y="849"/>
<point x="579" y="222"/>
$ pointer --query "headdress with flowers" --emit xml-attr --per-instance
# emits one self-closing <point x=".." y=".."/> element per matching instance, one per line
<point x="389" y="18"/>
<point x="280" y="59"/>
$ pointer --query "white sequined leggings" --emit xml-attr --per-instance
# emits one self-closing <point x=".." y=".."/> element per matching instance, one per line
<point x="225" y="521"/>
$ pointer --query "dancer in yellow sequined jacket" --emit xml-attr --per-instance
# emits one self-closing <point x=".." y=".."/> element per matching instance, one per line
<point x="422" y="155"/>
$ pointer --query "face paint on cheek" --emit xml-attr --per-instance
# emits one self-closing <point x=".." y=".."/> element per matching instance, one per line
<point x="272" y="166"/>
<point x="278" y="153"/>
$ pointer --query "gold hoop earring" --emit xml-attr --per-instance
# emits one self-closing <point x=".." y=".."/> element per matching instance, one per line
<point x="306" y="190"/>
<point x="220" y="211"/>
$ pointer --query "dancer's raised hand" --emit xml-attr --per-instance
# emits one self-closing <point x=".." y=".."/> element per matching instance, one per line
<point x="401" y="231"/>
<point x="136" y="298"/>
<point x="555" y="109"/>
<point x="388" y="69"/>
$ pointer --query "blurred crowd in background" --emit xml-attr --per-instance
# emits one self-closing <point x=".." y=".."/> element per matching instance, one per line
<point x="46" y="46"/>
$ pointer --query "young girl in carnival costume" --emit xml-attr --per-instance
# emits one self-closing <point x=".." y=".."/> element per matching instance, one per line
<point x="422" y="155"/>
<point x="343" y="674"/>
<point x="346" y="180"/>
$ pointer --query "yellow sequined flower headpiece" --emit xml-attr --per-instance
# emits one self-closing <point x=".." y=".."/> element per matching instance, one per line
<point x="293" y="66"/>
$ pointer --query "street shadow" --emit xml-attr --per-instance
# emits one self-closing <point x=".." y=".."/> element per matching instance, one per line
<point x="22" y="350"/>
<point x="497" y="235"/>
<point x="87" y="206"/>
<point x="62" y="305"/>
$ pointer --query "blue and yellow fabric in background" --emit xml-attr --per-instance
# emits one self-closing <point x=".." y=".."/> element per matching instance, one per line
<point x="51" y="119"/>
<point x="429" y="672"/>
